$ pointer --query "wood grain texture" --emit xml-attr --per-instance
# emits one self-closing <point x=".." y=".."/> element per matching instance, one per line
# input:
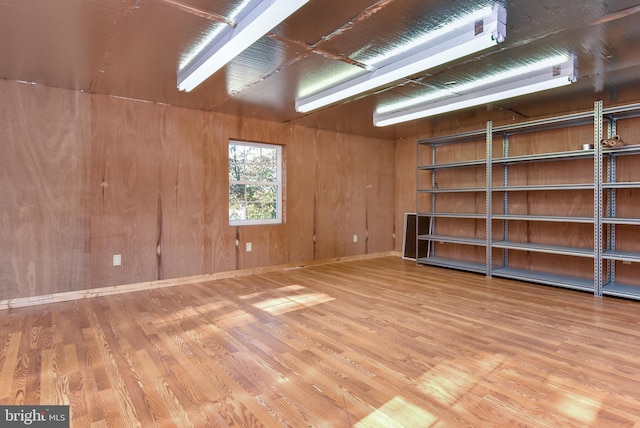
<point x="125" y="190"/>
<point x="181" y="197"/>
<point x="405" y="185"/>
<point x="378" y="342"/>
<point x="45" y="218"/>
<point x="85" y="177"/>
<point x="353" y="194"/>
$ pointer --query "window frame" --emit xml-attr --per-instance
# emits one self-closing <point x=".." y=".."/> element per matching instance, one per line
<point x="278" y="183"/>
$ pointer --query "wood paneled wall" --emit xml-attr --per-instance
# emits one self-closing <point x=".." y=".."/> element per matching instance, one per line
<point x="83" y="177"/>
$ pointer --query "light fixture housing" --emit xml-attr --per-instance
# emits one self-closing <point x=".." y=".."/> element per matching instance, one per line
<point x="259" y="17"/>
<point x="552" y="76"/>
<point x="469" y="34"/>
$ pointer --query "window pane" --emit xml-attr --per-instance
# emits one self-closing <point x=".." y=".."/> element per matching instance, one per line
<point x="250" y="167"/>
<point x="237" y="192"/>
<point x="237" y="211"/>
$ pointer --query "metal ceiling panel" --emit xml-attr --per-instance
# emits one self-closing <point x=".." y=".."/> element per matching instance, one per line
<point x="319" y="20"/>
<point x="146" y="50"/>
<point x="133" y="48"/>
<point x="57" y="43"/>
<point x="395" y="25"/>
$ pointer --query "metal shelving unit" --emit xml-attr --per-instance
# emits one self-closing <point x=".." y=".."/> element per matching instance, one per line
<point x="505" y="161"/>
<point x="604" y="253"/>
<point x="433" y="191"/>
<point x="611" y="255"/>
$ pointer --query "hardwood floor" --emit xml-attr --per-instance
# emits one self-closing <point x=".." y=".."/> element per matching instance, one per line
<point x="379" y="342"/>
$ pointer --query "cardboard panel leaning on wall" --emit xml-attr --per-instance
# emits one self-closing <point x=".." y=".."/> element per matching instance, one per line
<point x="44" y="177"/>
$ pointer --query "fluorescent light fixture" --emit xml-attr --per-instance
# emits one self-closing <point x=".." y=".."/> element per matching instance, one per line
<point x="527" y="80"/>
<point x="469" y="34"/>
<point x="261" y="16"/>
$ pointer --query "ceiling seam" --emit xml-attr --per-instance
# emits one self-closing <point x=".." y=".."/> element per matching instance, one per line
<point x="200" y="13"/>
<point x="128" y="7"/>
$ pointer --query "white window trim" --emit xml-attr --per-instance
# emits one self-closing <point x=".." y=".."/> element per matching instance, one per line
<point x="278" y="183"/>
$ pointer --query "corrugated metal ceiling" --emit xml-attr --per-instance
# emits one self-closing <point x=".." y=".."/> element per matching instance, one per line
<point x="133" y="48"/>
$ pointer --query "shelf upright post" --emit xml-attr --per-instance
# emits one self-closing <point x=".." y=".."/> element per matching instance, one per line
<point x="597" y="198"/>
<point x="432" y="220"/>
<point x="488" y="212"/>
<point x="418" y="200"/>
<point x="505" y="198"/>
<point x="611" y="212"/>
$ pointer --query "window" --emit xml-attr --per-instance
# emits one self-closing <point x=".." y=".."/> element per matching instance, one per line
<point x="255" y="183"/>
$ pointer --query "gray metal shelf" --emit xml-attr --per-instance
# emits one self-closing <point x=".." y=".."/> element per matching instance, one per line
<point x="481" y="242"/>
<point x="451" y="165"/>
<point x="623" y="111"/>
<point x="575" y="154"/>
<point x="453" y="264"/>
<point x="622" y="185"/>
<point x="543" y="187"/>
<point x="563" y="121"/>
<point x="545" y="278"/>
<point x="558" y="219"/>
<point x="454" y="190"/>
<point x="620" y="220"/>
<point x="625" y="256"/>
<point x="463" y="137"/>
<point x="633" y="149"/>
<point x="480" y="216"/>
<point x="543" y="248"/>
<point x="618" y="289"/>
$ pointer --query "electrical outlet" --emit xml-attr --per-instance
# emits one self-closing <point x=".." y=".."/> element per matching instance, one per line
<point x="355" y="238"/>
<point x="117" y="259"/>
<point x="248" y="247"/>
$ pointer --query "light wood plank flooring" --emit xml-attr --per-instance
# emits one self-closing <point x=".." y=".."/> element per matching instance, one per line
<point x="372" y="343"/>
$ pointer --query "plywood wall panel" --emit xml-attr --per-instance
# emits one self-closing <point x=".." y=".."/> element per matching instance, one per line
<point x="579" y="267"/>
<point x="181" y="197"/>
<point x="379" y="194"/>
<point x="220" y="252"/>
<point x="340" y="211"/>
<point x="629" y="130"/>
<point x="125" y="190"/>
<point x="86" y="176"/>
<point x="300" y="196"/>
<point x="555" y="140"/>
<point x="44" y="212"/>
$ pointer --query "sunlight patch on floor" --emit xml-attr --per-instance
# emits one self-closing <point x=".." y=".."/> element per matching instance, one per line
<point x="447" y="383"/>
<point x="281" y="305"/>
<point x="577" y="407"/>
<point x="252" y="295"/>
<point x="397" y="413"/>
<point x="235" y="318"/>
<point x="292" y="287"/>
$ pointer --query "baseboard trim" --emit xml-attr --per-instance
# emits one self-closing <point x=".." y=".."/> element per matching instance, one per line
<point x="66" y="296"/>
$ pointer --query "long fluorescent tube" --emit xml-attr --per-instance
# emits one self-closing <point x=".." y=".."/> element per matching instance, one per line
<point x="551" y="77"/>
<point x="261" y="18"/>
<point x="472" y="33"/>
